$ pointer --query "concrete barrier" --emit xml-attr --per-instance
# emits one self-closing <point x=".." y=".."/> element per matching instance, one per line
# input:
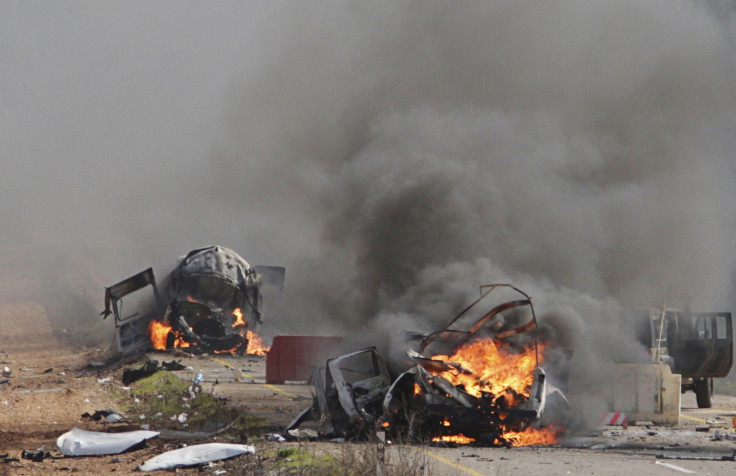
<point x="291" y="358"/>
<point x="646" y="392"/>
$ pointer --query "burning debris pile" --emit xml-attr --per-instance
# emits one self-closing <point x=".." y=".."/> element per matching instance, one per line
<point x="164" y="335"/>
<point x="203" y="309"/>
<point x="488" y="389"/>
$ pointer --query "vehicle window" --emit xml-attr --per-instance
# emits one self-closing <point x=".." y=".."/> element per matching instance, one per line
<point x="134" y="303"/>
<point x="703" y="326"/>
<point x="358" y="367"/>
<point x="721" y="331"/>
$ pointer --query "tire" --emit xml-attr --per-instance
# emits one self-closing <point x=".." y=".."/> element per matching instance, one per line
<point x="703" y="392"/>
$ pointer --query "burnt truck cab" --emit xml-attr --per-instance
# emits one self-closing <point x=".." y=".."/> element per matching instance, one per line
<point x="209" y="301"/>
<point x="696" y="345"/>
<point x="212" y="290"/>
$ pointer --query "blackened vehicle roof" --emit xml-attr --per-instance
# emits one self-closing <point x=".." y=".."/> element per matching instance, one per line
<point x="220" y="262"/>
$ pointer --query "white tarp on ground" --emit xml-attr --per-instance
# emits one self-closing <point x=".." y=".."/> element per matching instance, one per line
<point x="196" y="454"/>
<point x="94" y="443"/>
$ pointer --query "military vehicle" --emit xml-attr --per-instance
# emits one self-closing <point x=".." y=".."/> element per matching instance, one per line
<point x="696" y="345"/>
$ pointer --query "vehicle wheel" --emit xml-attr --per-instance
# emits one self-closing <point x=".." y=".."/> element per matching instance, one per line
<point x="702" y="393"/>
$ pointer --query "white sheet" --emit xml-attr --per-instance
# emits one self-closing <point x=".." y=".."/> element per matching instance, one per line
<point x="92" y="443"/>
<point x="195" y="454"/>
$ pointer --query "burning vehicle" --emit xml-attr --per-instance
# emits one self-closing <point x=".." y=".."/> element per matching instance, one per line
<point x="211" y="303"/>
<point x="482" y="383"/>
<point x="349" y="392"/>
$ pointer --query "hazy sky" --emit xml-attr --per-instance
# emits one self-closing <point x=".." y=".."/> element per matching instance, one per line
<point x="393" y="155"/>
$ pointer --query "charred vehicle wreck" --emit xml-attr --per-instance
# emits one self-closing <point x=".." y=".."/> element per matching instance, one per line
<point x="481" y="383"/>
<point x="349" y="392"/>
<point x="211" y="302"/>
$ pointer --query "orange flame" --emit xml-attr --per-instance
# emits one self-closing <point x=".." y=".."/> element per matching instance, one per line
<point x="238" y="317"/>
<point x="534" y="436"/>
<point x="494" y="369"/>
<point x="459" y="439"/>
<point x="255" y="344"/>
<point x="158" y="332"/>
<point x="500" y="371"/>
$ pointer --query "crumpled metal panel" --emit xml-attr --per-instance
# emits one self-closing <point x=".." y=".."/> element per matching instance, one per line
<point x="221" y="262"/>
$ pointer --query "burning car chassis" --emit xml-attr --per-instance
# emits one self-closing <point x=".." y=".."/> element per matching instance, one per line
<point x="203" y="307"/>
<point x="489" y="389"/>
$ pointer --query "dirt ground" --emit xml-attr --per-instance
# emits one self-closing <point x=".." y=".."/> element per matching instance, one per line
<point x="54" y="380"/>
<point x="50" y="386"/>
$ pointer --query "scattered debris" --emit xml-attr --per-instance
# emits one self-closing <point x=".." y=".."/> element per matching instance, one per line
<point x="149" y="368"/>
<point x="78" y="442"/>
<point x="109" y="416"/>
<point x="196" y="454"/>
<point x="708" y="457"/>
<point x="35" y="456"/>
<point x="303" y="434"/>
<point x="724" y="435"/>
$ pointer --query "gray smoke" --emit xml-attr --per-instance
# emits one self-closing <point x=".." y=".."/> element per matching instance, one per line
<point x="392" y="156"/>
<point x="586" y="145"/>
<point x="583" y="152"/>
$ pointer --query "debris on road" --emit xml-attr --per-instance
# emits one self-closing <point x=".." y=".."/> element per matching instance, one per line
<point x="724" y="435"/>
<point x="149" y="368"/>
<point x="35" y="456"/>
<point x="108" y="416"/>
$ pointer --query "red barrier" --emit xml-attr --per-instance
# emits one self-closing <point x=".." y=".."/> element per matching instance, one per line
<point x="291" y="358"/>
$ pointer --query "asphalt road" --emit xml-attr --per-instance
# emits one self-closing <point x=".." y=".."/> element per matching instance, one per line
<point x="642" y="450"/>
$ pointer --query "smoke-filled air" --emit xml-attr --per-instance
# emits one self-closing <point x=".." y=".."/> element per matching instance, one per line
<point x="393" y="156"/>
